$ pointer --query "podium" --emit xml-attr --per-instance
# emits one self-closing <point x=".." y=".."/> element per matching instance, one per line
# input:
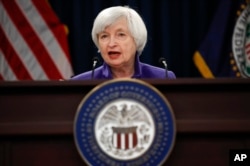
<point x="36" y="120"/>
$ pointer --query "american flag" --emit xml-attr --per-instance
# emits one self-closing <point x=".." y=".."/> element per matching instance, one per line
<point x="33" y="42"/>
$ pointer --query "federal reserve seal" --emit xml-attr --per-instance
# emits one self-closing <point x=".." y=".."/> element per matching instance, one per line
<point x="124" y="122"/>
<point x="241" y="42"/>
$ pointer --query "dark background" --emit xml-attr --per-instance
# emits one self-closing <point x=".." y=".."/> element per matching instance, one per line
<point x="175" y="30"/>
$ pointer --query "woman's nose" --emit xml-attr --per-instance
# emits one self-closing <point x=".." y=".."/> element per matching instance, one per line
<point x="112" y="42"/>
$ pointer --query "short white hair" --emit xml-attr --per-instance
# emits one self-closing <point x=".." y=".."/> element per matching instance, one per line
<point x="110" y="15"/>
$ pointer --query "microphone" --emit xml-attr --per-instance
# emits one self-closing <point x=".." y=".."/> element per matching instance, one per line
<point x="164" y="62"/>
<point x="95" y="61"/>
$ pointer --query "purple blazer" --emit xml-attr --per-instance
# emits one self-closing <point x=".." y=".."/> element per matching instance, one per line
<point x="142" y="70"/>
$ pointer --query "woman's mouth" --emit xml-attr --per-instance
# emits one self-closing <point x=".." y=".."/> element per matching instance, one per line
<point x="114" y="54"/>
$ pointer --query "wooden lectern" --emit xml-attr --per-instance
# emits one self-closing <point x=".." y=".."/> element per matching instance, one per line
<point x="36" y="120"/>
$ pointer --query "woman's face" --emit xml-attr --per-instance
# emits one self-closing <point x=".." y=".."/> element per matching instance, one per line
<point x="116" y="44"/>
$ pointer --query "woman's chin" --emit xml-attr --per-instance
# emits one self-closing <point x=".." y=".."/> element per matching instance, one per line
<point x="115" y="64"/>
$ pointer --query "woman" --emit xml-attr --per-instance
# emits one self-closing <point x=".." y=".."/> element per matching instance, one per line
<point x="120" y="36"/>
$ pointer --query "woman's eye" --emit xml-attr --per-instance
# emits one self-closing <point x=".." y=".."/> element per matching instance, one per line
<point x="121" y="34"/>
<point x="103" y="36"/>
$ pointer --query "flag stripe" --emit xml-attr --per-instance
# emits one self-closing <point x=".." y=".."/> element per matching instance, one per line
<point x="13" y="62"/>
<point x="5" y="69"/>
<point x="31" y="38"/>
<point x="50" y="18"/>
<point x="15" y="47"/>
<point x="37" y="17"/>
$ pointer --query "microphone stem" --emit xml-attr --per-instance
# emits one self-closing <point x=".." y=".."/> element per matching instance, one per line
<point x="166" y="67"/>
<point x="163" y="61"/>
<point x="93" y="69"/>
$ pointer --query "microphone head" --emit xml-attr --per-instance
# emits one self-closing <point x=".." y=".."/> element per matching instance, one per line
<point x="161" y="60"/>
<point x="96" y="59"/>
<point x="164" y="62"/>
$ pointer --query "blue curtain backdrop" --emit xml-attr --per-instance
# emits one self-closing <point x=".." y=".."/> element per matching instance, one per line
<point x="175" y="30"/>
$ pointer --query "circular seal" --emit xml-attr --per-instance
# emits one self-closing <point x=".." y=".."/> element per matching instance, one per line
<point x="124" y="122"/>
<point x="241" y="42"/>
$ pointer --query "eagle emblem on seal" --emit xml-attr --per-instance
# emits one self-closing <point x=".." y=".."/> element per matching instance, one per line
<point x="124" y="130"/>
